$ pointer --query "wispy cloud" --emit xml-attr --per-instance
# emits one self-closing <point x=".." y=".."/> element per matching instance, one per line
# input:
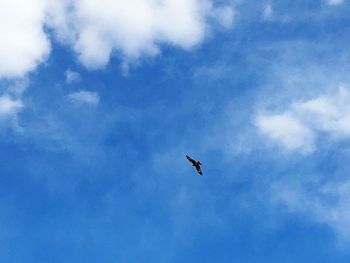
<point x="287" y="130"/>
<point x="224" y="15"/>
<point x="85" y="97"/>
<point x="297" y="127"/>
<point x="72" y="76"/>
<point x="267" y="12"/>
<point x="325" y="201"/>
<point x="11" y="103"/>
<point x="335" y="2"/>
<point x="9" y="106"/>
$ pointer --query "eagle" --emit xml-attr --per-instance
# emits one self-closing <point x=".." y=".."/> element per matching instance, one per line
<point x="196" y="164"/>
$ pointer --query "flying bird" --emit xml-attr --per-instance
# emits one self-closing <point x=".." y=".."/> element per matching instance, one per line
<point x="196" y="164"/>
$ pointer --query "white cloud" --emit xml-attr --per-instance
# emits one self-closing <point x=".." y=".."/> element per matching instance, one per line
<point x="72" y="76"/>
<point x="9" y="106"/>
<point x="335" y="2"/>
<point x="225" y="16"/>
<point x="287" y="130"/>
<point x="86" y="97"/>
<point x="267" y="12"/>
<point x="324" y="202"/>
<point x="98" y="28"/>
<point x="329" y="113"/>
<point x="297" y="127"/>
<point x="23" y="42"/>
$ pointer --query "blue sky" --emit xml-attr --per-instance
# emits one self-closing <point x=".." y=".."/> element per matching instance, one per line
<point x="100" y="101"/>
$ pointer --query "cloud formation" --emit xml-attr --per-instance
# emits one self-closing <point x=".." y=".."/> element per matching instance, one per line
<point x="287" y="130"/>
<point x="9" y="106"/>
<point x="23" y="42"/>
<point x="335" y="2"/>
<point x="298" y="126"/>
<point x="97" y="29"/>
<point x="325" y="202"/>
<point x="72" y="76"/>
<point x="85" y="97"/>
<point x="267" y="12"/>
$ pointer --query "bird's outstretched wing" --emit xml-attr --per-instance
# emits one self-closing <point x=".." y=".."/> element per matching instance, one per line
<point x="199" y="170"/>
<point x="191" y="160"/>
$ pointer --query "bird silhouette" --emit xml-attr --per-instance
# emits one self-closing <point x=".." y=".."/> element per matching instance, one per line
<point x="196" y="164"/>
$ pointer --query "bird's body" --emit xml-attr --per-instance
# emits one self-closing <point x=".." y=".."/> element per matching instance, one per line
<point x="196" y="164"/>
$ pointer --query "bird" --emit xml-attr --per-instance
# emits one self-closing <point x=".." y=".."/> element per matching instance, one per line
<point x="196" y="164"/>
